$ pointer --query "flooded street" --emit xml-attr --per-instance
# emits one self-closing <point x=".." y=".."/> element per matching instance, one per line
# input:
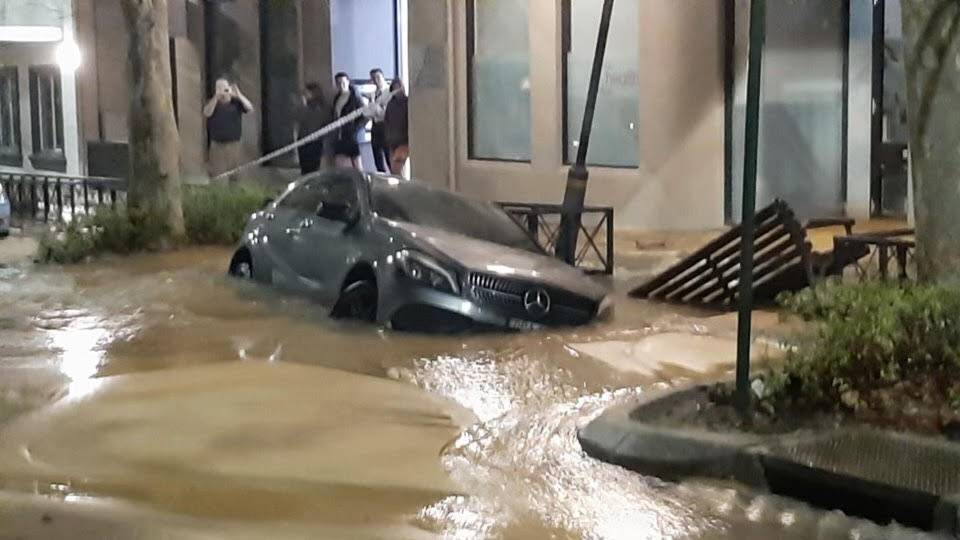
<point x="152" y="397"/>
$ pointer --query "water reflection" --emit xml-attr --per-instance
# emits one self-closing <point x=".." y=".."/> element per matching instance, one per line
<point x="81" y="345"/>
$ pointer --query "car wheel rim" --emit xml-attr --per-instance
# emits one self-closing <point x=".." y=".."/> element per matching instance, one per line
<point x="244" y="270"/>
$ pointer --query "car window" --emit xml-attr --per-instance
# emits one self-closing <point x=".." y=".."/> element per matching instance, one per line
<point x="304" y="198"/>
<point x="332" y="189"/>
<point x="338" y="189"/>
<point x="421" y="205"/>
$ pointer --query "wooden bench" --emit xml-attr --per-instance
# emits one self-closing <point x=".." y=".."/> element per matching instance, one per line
<point x="784" y="260"/>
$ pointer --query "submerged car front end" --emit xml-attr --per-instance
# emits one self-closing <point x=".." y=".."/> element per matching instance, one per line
<point x="437" y="287"/>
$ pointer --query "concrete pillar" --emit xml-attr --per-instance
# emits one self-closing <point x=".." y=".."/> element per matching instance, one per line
<point x="316" y="60"/>
<point x="87" y="87"/>
<point x="112" y="88"/>
<point x="430" y="87"/>
<point x="546" y="89"/>
<point x="187" y="64"/>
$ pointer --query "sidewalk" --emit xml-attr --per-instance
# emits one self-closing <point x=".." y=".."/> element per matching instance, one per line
<point x="17" y="248"/>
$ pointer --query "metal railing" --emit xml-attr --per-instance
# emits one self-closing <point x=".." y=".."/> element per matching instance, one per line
<point x="595" y="253"/>
<point x="57" y="197"/>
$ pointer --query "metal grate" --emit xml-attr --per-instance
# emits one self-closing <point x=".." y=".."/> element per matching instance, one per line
<point x="908" y="462"/>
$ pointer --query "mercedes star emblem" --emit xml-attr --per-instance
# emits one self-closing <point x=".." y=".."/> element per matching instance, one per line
<point x="537" y="302"/>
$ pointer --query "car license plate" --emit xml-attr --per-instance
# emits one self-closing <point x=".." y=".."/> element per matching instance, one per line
<point x="520" y="324"/>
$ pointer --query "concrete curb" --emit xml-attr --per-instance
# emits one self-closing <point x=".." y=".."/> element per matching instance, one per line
<point x="620" y="436"/>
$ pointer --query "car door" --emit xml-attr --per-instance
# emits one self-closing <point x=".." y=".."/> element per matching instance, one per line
<point x="283" y="224"/>
<point x="323" y="250"/>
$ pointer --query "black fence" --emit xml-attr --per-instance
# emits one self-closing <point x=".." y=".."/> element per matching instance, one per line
<point x="56" y="197"/>
<point x="889" y="254"/>
<point x="595" y="246"/>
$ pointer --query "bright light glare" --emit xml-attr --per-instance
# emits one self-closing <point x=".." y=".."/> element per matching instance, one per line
<point x="68" y="56"/>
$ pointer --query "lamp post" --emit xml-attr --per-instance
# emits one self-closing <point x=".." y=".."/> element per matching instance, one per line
<point x="576" y="190"/>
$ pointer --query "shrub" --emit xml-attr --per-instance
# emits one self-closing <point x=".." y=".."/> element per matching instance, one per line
<point x="868" y="338"/>
<point x="212" y="215"/>
<point x="218" y="214"/>
<point x="71" y="245"/>
<point x="126" y="231"/>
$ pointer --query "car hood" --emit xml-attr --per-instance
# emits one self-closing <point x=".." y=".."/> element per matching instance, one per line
<point x="490" y="258"/>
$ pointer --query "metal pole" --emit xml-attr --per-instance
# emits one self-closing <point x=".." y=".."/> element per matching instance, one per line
<point x="576" y="191"/>
<point x="748" y="225"/>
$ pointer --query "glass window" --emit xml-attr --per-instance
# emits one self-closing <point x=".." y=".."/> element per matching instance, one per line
<point x="46" y="110"/>
<point x="801" y="111"/>
<point x="9" y="116"/>
<point x="498" y="80"/>
<point x="331" y="189"/>
<point x="614" y="136"/>
<point x="304" y="198"/>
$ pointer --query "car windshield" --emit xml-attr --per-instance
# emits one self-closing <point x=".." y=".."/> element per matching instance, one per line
<point x="421" y="205"/>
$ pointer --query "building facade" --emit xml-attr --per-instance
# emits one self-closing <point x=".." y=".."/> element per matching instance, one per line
<point x="497" y="92"/>
<point x="499" y="86"/>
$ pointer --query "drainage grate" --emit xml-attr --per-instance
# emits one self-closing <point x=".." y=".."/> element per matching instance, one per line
<point x="908" y="462"/>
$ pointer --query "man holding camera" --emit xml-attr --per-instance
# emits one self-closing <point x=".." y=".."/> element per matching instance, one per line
<point x="224" y="113"/>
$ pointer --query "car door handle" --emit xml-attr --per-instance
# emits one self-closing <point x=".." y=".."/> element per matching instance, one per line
<point x="304" y="224"/>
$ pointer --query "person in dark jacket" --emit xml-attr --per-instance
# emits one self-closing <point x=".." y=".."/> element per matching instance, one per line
<point x="312" y="115"/>
<point x="395" y="128"/>
<point x="378" y="140"/>
<point x="347" y="144"/>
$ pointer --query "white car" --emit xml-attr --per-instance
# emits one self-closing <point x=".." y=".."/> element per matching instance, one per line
<point x="4" y="214"/>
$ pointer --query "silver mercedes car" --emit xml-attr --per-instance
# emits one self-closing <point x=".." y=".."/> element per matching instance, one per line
<point x="411" y="257"/>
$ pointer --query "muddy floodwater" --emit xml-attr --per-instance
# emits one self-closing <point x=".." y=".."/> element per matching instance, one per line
<point x="152" y="397"/>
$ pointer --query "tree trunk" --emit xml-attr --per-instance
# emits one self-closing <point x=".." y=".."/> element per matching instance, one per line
<point x="154" y="184"/>
<point x="932" y="61"/>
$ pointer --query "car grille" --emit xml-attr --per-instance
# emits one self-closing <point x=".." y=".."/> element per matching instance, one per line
<point x="506" y="294"/>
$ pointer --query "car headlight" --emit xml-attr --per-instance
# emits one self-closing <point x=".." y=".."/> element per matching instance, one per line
<point x="426" y="270"/>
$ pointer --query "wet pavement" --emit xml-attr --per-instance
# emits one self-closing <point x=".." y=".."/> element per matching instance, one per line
<point x="153" y="397"/>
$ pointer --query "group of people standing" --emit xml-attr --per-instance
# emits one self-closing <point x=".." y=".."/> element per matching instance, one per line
<point x="224" y="112"/>
<point x="388" y="133"/>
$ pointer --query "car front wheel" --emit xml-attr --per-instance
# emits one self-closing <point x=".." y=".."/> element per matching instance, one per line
<point x="242" y="265"/>
<point x="358" y="301"/>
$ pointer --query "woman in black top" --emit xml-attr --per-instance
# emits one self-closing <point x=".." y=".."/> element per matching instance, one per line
<point x="347" y="145"/>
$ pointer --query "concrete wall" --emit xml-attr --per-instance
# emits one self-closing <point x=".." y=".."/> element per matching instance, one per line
<point x="112" y="45"/>
<point x="317" y="58"/>
<point x="679" y="183"/>
<point x="431" y="87"/>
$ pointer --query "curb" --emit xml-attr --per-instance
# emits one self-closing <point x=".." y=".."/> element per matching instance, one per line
<point x="620" y="436"/>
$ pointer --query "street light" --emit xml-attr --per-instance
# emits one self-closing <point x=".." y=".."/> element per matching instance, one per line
<point x="68" y="55"/>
